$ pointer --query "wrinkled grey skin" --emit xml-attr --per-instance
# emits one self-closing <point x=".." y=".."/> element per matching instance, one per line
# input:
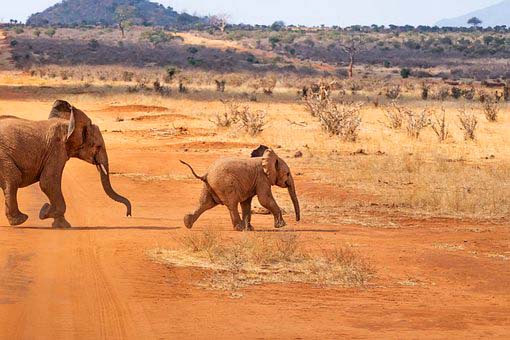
<point x="234" y="181"/>
<point x="37" y="151"/>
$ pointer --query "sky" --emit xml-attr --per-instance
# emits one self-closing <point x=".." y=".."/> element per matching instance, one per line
<point x="304" y="12"/>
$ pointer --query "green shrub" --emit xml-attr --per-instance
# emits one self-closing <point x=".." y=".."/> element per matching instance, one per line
<point x="405" y="72"/>
<point x="50" y="32"/>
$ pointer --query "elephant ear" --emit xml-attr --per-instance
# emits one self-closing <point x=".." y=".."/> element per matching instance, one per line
<point x="270" y="165"/>
<point x="78" y="121"/>
<point x="259" y="152"/>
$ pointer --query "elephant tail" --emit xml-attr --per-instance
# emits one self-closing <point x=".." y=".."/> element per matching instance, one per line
<point x="202" y="178"/>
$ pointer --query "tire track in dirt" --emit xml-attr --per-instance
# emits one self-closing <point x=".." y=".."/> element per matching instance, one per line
<point x="107" y="313"/>
<point x="54" y="283"/>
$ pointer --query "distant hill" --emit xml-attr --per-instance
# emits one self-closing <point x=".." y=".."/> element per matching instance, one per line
<point x="91" y="12"/>
<point x="496" y="15"/>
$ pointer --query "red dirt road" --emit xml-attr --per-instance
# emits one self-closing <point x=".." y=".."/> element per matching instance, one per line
<point x="96" y="281"/>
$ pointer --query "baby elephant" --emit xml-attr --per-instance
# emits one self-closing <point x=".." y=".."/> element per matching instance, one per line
<point x="231" y="181"/>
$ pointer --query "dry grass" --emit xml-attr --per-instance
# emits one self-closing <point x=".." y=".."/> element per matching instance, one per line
<point x="254" y="259"/>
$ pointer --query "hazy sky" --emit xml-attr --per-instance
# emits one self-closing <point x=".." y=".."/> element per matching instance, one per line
<point x="306" y="12"/>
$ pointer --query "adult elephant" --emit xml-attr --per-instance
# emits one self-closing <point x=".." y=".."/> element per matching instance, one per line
<point x="37" y="151"/>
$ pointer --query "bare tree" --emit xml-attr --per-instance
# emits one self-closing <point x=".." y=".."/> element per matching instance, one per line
<point x="219" y="21"/>
<point x="352" y="47"/>
<point x="123" y="15"/>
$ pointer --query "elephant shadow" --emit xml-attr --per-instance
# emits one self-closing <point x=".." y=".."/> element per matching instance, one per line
<point x="105" y="228"/>
<point x="298" y="231"/>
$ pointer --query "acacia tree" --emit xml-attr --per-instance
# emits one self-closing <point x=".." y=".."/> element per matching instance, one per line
<point x="474" y="21"/>
<point x="354" y="46"/>
<point x="219" y="21"/>
<point x="123" y="16"/>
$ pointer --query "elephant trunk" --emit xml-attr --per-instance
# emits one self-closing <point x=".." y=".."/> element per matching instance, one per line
<point x="292" y="193"/>
<point x="104" y="171"/>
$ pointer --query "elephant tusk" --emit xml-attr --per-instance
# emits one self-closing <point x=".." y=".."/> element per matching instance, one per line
<point x="103" y="169"/>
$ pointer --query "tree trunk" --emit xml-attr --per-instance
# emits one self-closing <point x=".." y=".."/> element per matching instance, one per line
<point x="351" y="66"/>
<point x="121" y="29"/>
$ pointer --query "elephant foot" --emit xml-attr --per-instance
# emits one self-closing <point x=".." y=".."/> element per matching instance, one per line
<point x="61" y="223"/>
<point x="44" y="213"/>
<point x="18" y="219"/>
<point x="188" y="221"/>
<point x="280" y="224"/>
<point x="239" y="227"/>
<point x="249" y="227"/>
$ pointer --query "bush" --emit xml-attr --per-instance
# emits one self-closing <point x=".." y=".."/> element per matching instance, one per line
<point x="342" y="120"/>
<point x="395" y="115"/>
<point x="170" y="72"/>
<point x="441" y="93"/>
<point x="439" y="126"/>
<point x="252" y="122"/>
<point x="416" y="122"/>
<point x="127" y="76"/>
<point x="93" y="44"/>
<point x="405" y="73"/>
<point x="242" y="116"/>
<point x="456" y="92"/>
<point x="317" y="98"/>
<point x="491" y="109"/>
<point x="469" y="94"/>
<point x="393" y="92"/>
<point x="468" y="123"/>
<point x="230" y="115"/>
<point x="274" y="40"/>
<point x="252" y="59"/>
<point x="425" y="88"/>
<point x="50" y="32"/>
<point x="37" y="32"/>
<point x="157" y="37"/>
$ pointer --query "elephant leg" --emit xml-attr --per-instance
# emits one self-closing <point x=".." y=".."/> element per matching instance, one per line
<point x="51" y="186"/>
<point x="12" y="212"/>
<point x="246" y="208"/>
<point x="267" y="200"/>
<point x="237" y="222"/>
<point x="10" y="181"/>
<point x="206" y="202"/>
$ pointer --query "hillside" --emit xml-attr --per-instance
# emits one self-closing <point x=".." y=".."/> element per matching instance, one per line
<point x="144" y="12"/>
<point x="496" y="15"/>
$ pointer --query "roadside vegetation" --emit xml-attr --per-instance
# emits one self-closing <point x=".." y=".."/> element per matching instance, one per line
<point x="264" y="259"/>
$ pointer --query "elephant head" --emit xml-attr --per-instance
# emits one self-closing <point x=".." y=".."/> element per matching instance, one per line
<point x="85" y="141"/>
<point x="278" y="173"/>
